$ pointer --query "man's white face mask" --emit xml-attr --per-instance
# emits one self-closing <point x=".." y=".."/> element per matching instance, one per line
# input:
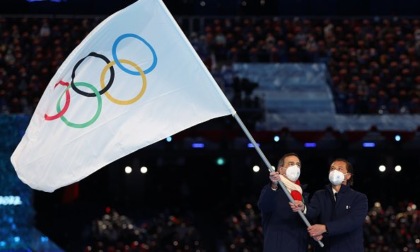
<point x="336" y="177"/>
<point x="293" y="173"/>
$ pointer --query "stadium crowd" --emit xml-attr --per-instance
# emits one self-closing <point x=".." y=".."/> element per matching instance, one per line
<point x="393" y="229"/>
<point x="374" y="63"/>
<point x="168" y="231"/>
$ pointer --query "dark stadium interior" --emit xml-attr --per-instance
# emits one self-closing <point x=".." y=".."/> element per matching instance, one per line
<point x="374" y="63"/>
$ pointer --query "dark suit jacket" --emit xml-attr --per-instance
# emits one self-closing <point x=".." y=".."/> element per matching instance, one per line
<point x="344" y="219"/>
<point x="283" y="229"/>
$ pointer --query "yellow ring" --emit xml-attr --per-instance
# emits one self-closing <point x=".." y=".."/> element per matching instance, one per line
<point x="124" y="102"/>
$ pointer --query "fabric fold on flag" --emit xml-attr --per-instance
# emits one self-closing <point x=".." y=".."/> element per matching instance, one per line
<point x="133" y="81"/>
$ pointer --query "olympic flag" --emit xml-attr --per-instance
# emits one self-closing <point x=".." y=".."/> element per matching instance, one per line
<point x="133" y="81"/>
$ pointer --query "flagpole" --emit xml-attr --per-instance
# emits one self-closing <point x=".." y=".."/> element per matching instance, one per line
<point x="270" y="168"/>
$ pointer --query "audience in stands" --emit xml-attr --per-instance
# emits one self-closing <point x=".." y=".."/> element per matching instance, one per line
<point x="374" y="63"/>
<point x="391" y="229"/>
<point x="165" y="232"/>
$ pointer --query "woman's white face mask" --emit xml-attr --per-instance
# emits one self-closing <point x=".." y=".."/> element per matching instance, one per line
<point x="293" y="173"/>
<point x="336" y="177"/>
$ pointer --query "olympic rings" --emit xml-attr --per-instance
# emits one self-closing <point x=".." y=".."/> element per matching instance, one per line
<point x="104" y="86"/>
<point x="98" y="111"/>
<point x="73" y="75"/>
<point x="143" y="88"/>
<point x="66" y="105"/>
<point x="114" y="53"/>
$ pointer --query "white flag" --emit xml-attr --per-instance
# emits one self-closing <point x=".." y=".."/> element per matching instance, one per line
<point x="133" y="81"/>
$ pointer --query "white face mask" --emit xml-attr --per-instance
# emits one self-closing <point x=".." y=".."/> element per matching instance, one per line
<point x="293" y="173"/>
<point x="336" y="177"/>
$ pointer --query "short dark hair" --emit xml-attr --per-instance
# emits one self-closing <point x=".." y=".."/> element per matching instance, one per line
<point x="281" y="161"/>
<point x="349" y="167"/>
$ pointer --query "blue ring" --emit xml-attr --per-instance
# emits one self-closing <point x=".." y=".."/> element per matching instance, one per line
<point x="114" y="54"/>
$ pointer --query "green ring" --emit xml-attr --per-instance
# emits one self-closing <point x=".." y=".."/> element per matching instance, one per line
<point x="94" y="118"/>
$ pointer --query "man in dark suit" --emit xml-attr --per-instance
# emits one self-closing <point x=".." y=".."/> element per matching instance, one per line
<point x="339" y="211"/>
<point x="283" y="229"/>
